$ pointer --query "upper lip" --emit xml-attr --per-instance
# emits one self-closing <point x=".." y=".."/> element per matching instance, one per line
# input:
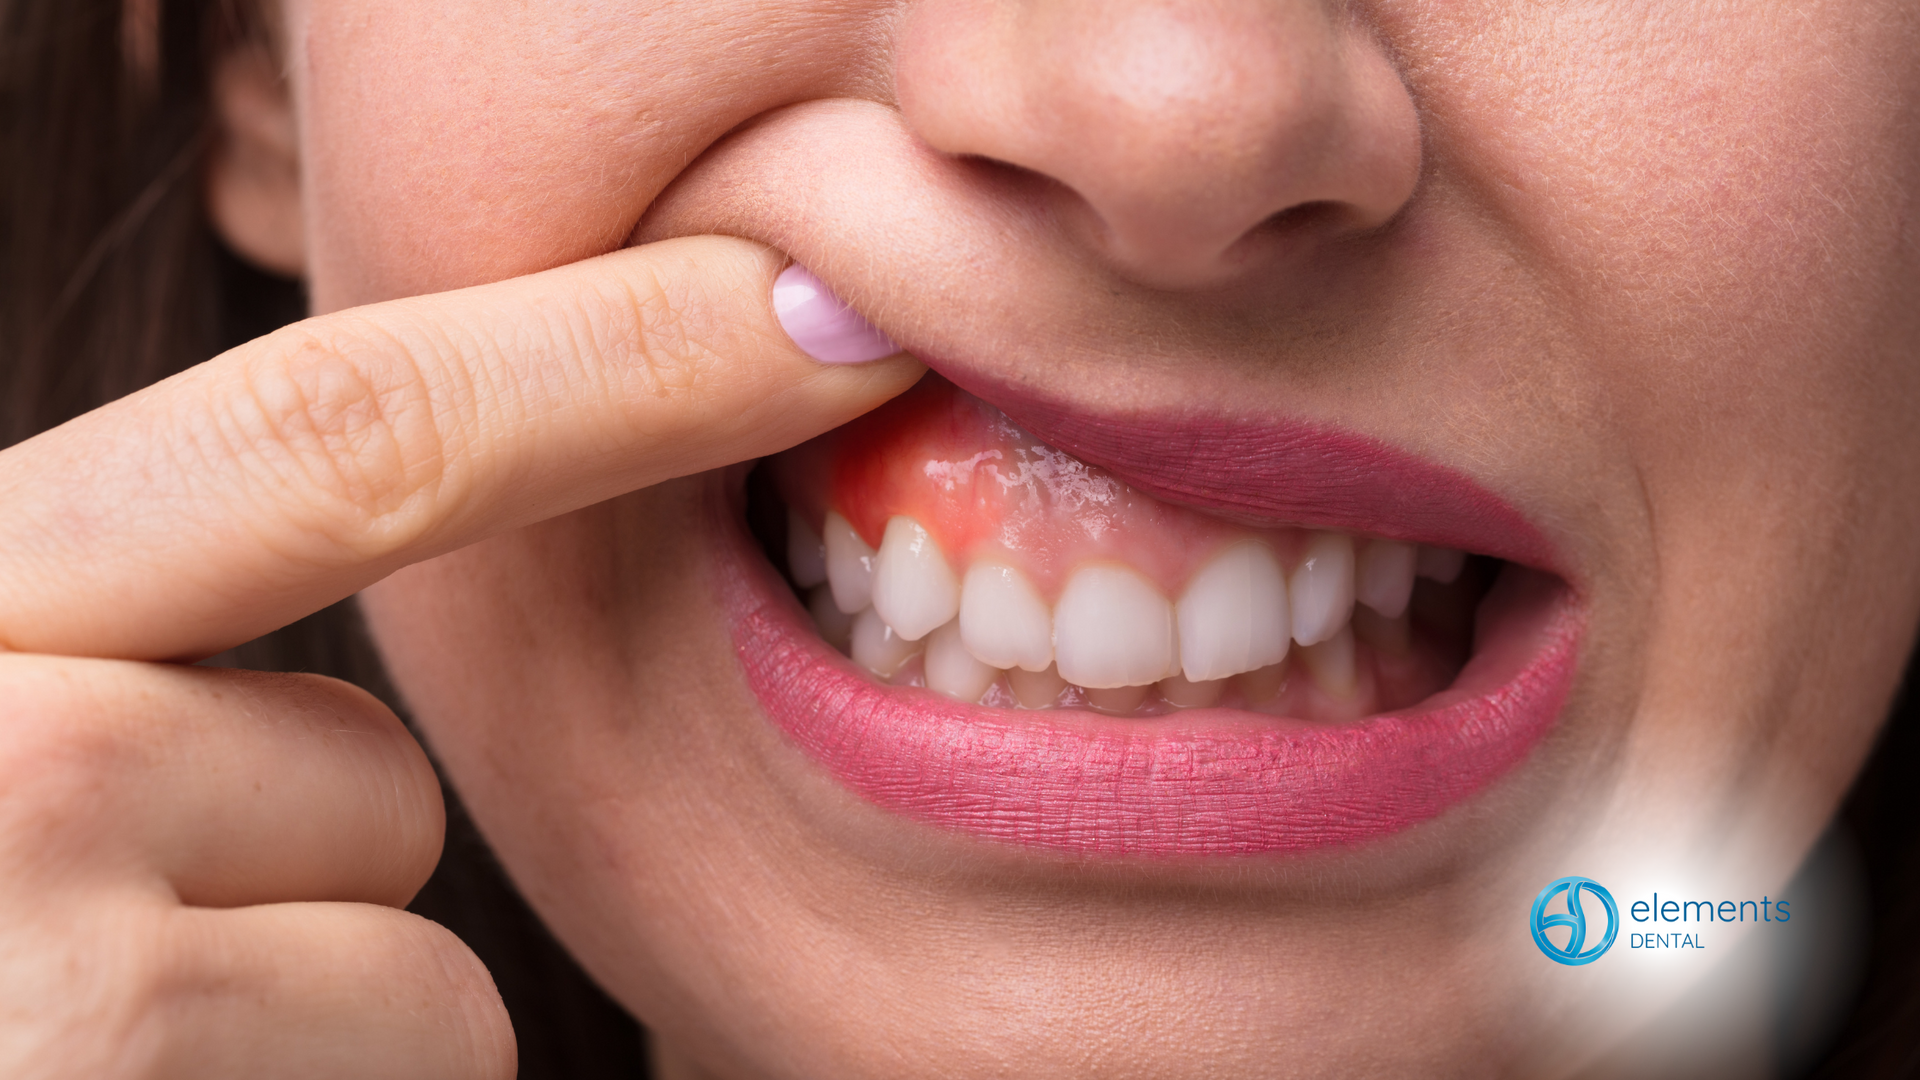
<point x="780" y="181"/>
<point x="1270" y="472"/>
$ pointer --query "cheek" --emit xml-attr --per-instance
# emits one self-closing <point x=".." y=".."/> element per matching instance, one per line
<point x="537" y="652"/>
<point x="1711" y="205"/>
<point x="446" y="145"/>
<point x="427" y="146"/>
<point x="1714" y="206"/>
<point x="1696" y="177"/>
<point x="576" y="682"/>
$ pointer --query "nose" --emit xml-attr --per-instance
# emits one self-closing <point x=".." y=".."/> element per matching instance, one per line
<point x="1186" y="138"/>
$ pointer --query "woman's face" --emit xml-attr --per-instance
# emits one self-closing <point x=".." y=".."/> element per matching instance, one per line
<point x="1620" y="291"/>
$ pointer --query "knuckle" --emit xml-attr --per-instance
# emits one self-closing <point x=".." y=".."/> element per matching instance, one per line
<point x="340" y="429"/>
<point x="86" y="996"/>
<point x="58" y="760"/>
<point x="653" y="321"/>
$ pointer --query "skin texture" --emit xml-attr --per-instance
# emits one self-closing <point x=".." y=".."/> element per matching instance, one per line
<point x="201" y="869"/>
<point x="1644" y="270"/>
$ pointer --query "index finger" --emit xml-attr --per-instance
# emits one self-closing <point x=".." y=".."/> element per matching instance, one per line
<point x="301" y="467"/>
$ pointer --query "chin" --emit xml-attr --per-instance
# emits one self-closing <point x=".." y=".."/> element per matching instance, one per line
<point x="978" y="739"/>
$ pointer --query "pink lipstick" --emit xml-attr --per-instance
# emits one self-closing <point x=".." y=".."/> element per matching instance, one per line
<point x="1154" y="747"/>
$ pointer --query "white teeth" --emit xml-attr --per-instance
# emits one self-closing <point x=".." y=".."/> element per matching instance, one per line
<point x="806" y="553"/>
<point x="1234" y="615"/>
<point x="1331" y="663"/>
<point x="1322" y="589"/>
<point x="952" y="670"/>
<point x="1112" y="633"/>
<point x="1112" y="628"/>
<point x="1190" y="695"/>
<point x="1035" y="689"/>
<point x="849" y="565"/>
<point x="835" y="626"/>
<point x="1003" y="620"/>
<point x="1383" y="579"/>
<point x="1440" y="564"/>
<point x="876" y="647"/>
<point x="913" y="587"/>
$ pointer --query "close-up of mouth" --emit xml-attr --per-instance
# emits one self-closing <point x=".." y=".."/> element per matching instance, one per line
<point x="1268" y="648"/>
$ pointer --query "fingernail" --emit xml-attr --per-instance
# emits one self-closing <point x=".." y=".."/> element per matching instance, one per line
<point x="823" y="327"/>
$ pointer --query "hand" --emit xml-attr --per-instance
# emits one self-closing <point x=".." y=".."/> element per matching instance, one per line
<point x="201" y="869"/>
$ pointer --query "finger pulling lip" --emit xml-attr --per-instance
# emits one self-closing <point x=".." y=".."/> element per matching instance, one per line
<point x="1205" y="783"/>
<point x="1202" y="782"/>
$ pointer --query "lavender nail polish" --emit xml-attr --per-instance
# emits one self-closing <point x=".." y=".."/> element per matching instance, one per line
<point x="823" y="327"/>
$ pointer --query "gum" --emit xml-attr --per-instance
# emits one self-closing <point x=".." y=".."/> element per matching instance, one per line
<point x="984" y="488"/>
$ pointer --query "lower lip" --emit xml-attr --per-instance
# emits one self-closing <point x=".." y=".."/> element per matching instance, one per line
<point x="1204" y="782"/>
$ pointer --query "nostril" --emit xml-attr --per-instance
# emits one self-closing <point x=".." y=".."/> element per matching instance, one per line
<point x="994" y="164"/>
<point x="1013" y="181"/>
<point x="1301" y="218"/>
<point x="1162" y="135"/>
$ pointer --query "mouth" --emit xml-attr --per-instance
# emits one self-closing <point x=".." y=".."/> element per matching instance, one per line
<point x="1181" y="639"/>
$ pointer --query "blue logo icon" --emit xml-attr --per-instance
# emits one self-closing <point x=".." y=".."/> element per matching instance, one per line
<point x="1575" y="951"/>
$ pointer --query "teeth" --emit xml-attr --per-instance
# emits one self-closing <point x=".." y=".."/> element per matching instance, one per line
<point x="913" y="587"/>
<point x="1384" y="579"/>
<point x="1331" y="663"/>
<point x="835" y="626"/>
<point x="1035" y="689"/>
<point x="1440" y="564"/>
<point x="952" y="670"/>
<point x="1390" y="636"/>
<point x="1112" y="628"/>
<point x="1322" y="589"/>
<point x="876" y="647"/>
<point x="1234" y="616"/>
<point x="1112" y="633"/>
<point x="1117" y="699"/>
<point x="849" y="565"/>
<point x="806" y="553"/>
<point x="1190" y="695"/>
<point x="1003" y="621"/>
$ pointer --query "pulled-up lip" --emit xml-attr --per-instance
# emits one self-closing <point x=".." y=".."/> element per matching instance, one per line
<point x="1199" y="783"/>
<point x="1269" y="473"/>
<point x="892" y="226"/>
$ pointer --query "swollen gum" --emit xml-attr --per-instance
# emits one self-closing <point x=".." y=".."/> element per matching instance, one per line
<point x="984" y="488"/>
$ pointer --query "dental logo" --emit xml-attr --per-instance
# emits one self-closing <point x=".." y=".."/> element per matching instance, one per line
<point x="1574" y="950"/>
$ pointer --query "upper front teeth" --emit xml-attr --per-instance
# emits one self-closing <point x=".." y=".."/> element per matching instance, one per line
<point x="1234" y="615"/>
<point x="1003" y="619"/>
<point x="1111" y="627"/>
<point x="913" y="587"/>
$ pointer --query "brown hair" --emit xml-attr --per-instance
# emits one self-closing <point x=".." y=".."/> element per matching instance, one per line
<point x="111" y="278"/>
